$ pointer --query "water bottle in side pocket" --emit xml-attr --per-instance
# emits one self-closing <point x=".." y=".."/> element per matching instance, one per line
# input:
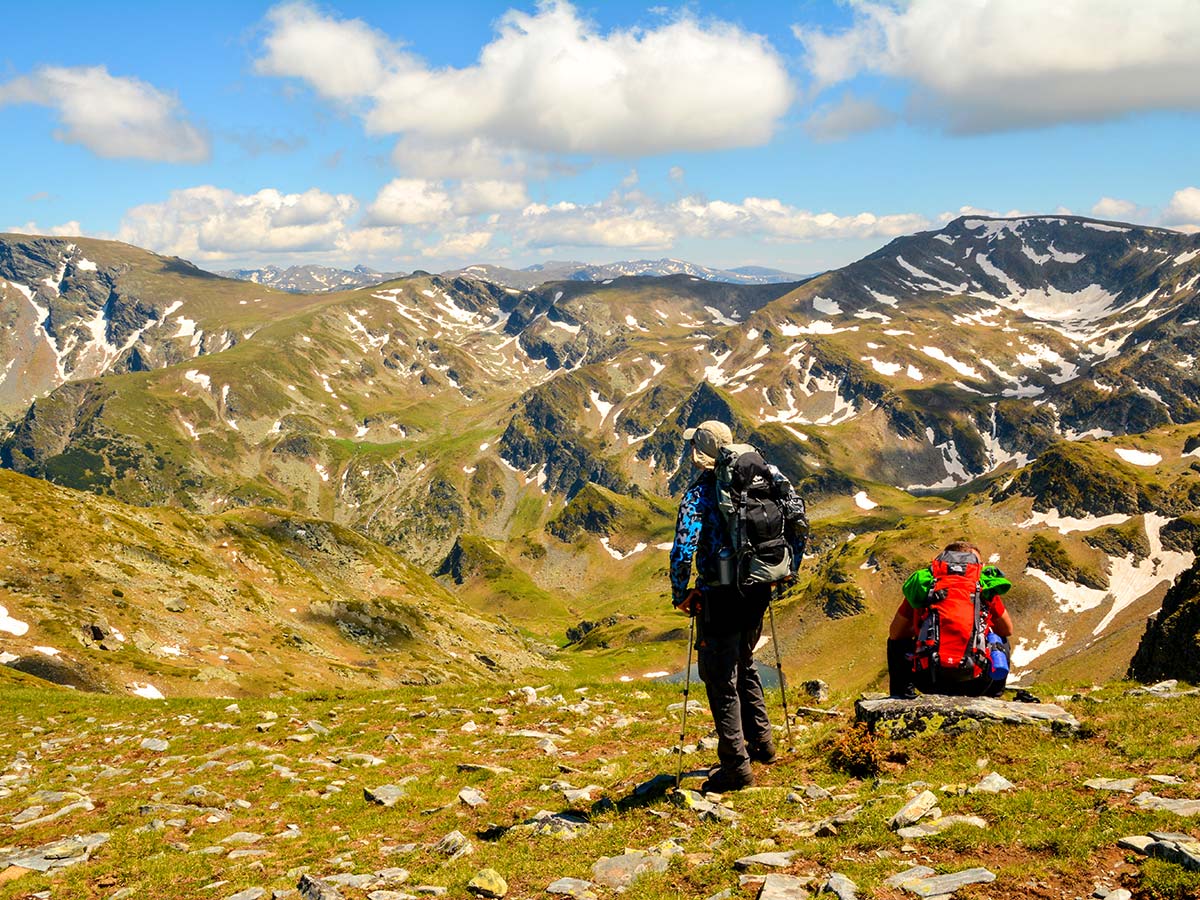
<point x="997" y="656"/>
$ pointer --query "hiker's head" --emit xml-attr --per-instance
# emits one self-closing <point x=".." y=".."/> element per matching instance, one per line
<point x="707" y="439"/>
<point x="962" y="546"/>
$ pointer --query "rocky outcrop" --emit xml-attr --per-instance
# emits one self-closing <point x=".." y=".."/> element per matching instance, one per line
<point x="930" y="712"/>
<point x="1170" y="647"/>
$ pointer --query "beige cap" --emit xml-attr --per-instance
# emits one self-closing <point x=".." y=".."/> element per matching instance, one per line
<point x="707" y="439"/>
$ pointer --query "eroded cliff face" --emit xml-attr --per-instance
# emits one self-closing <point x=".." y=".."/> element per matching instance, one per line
<point x="1170" y="648"/>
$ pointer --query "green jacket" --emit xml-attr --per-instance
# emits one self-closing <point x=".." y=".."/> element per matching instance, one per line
<point x="916" y="586"/>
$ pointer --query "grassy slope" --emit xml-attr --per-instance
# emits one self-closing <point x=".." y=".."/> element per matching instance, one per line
<point x="1050" y="838"/>
<point x="273" y="600"/>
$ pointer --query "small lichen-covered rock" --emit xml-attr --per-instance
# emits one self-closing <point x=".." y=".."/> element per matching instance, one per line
<point x="488" y="883"/>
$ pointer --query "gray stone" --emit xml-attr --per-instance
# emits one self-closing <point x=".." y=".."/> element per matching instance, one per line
<point x="1118" y="894"/>
<point x="916" y="873"/>
<point x="783" y="887"/>
<point x="816" y="792"/>
<point x="253" y="893"/>
<point x="1124" y="785"/>
<point x="705" y="808"/>
<point x="1185" y="854"/>
<point x="1175" y="836"/>
<point x="471" y="797"/>
<point x="158" y="745"/>
<point x="572" y="887"/>
<point x="359" y="881"/>
<point x="621" y="871"/>
<point x="360" y="759"/>
<point x="913" y="811"/>
<point x="242" y="837"/>
<point x="177" y="605"/>
<point x="816" y="690"/>
<point x="1136" y="842"/>
<point x="478" y="767"/>
<point x="316" y="727"/>
<point x="774" y="860"/>
<point x="317" y="889"/>
<point x="454" y="845"/>
<point x="488" y="883"/>
<point x="1166" y="779"/>
<point x="564" y="825"/>
<point x="247" y="853"/>
<point x="1149" y="801"/>
<point x="938" y="885"/>
<point x="390" y="895"/>
<point x="28" y="815"/>
<point x="993" y="784"/>
<point x="384" y="795"/>
<point x="901" y="718"/>
<point x="937" y="826"/>
<point x="839" y="884"/>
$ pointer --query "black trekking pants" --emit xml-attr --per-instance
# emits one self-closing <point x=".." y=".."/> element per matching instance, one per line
<point x="735" y="692"/>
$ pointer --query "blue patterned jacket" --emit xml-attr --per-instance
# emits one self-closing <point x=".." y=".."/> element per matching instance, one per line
<point x="699" y="535"/>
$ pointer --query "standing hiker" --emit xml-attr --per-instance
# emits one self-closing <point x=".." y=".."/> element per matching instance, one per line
<point x="950" y="634"/>
<point x="729" y="611"/>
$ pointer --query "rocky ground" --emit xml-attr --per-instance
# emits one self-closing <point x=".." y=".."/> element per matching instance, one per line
<point x="569" y="791"/>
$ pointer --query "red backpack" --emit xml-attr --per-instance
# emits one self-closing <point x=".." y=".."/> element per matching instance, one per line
<point x="952" y="627"/>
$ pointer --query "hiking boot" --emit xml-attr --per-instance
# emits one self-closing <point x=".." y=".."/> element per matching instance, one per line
<point x="762" y="753"/>
<point x="723" y="780"/>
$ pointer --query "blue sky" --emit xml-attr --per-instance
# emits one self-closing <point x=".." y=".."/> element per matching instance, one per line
<point x="798" y="135"/>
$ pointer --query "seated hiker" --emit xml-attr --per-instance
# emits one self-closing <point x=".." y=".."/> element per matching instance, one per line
<point x="950" y="634"/>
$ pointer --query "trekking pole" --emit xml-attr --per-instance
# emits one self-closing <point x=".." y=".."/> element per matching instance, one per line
<point x="687" y="686"/>
<point x="787" y="722"/>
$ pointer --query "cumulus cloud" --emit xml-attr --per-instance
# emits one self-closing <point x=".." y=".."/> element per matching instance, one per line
<point x="993" y="65"/>
<point x="684" y="85"/>
<point x="1183" y="210"/>
<point x="410" y="201"/>
<point x="341" y="59"/>
<point x="459" y="246"/>
<point x="66" y="229"/>
<point x="210" y="223"/>
<point x="849" y="116"/>
<point x="1114" y="208"/>
<point x="114" y="117"/>
<point x="639" y="222"/>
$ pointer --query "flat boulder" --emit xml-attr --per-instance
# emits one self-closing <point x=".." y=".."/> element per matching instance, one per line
<point x="898" y="718"/>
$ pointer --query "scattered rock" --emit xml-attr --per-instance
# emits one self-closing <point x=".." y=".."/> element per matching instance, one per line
<point x="566" y="825"/>
<point x="707" y="809"/>
<point x="573" y="887"/>
<point x="242" y="837"/>
<point x="317" y="889"/>
<point x="253" y="893"/>
<point x="384" y="795"/>
<point x="621" y="871"/>
<point x="1124" y="785"/>
<point x="158" y="745"/>
<point x="488" y="883"/>
<point x="937" y="826"/>
<point x="471" y="797"/>
<point x="1147" y="800"/>
<point x="454" y="845"/>
<point x="914" y="810"/>
<point x="775" y="860"/>
<point x="1136" y="842"/>
<point x="916" y="873"/>
<point x="901" y="718"/>
<point x="55" y="855"/>
<point x="477" y="767"/>
<point x="1182" y="853"/>
<point x="815" y="792"/>
<point x="783" y="887"/>
<point x="817" y="690"/>
<point x="993" y="784"/>
<point x="839" y="884"/>
<point x="939" y="885"/>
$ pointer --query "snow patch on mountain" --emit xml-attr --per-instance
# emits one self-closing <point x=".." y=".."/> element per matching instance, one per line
<point x="1067" y="524"/>
<point x="862" y="501"/>
<point x="1138" y="457"/>
<point x="960" y="367"/>
<point x="1026" y="652"/>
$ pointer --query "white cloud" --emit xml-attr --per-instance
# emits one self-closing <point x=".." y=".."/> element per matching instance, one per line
<point x="114" y="117"/>
<point x="1113" y="208"/>
<point x="340" y="59"/>
<point x="991" y="65"/>
<point x="410" y="201"/>
<point x="850" y="115"/>
<point x="210" y="223"/>
<point x="1183" y="209"/>
<point x="550" y="82"/>
<point x="638" y="221"/>
<point x="489" y="195"/>
<point x="66" y="229"/>
<point x="459" y="246"/>
<point x="676" y="173"/>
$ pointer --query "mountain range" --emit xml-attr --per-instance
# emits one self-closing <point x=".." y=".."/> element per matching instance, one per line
<point x="1028" y="382"/>
<point x="313" y="278"/>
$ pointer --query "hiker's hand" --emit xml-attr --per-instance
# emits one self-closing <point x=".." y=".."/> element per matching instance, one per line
<point x="690" y="604"/>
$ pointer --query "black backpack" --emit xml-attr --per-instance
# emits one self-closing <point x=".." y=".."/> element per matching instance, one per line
<point x="763" y="513"/>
